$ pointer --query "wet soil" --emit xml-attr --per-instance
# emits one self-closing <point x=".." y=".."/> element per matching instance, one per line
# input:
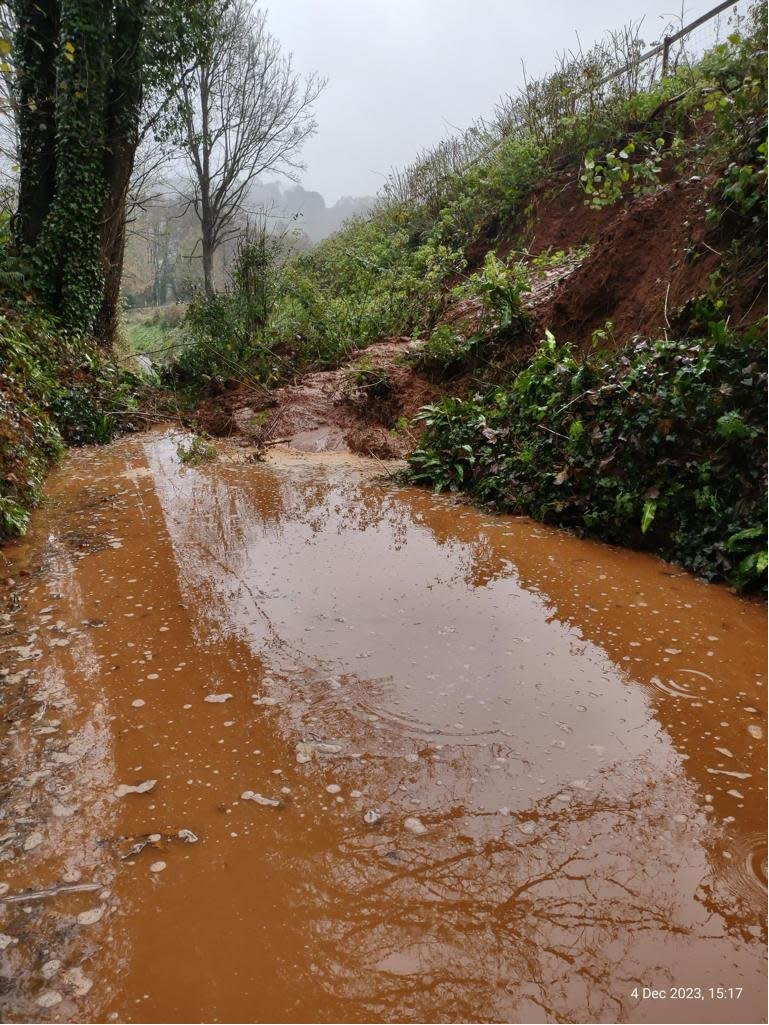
<point x="330" y="410"/>
<point x="324" y="748"/>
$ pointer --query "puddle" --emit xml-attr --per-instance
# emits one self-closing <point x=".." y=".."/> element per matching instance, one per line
<point x="408" y="761"/>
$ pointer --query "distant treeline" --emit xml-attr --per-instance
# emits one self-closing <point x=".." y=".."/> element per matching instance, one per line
<point x="163" y="257"/>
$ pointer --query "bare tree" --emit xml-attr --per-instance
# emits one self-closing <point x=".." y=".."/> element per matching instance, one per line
<point x="246" y="111"/>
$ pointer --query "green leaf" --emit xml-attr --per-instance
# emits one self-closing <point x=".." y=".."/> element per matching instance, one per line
<point x="648" y="514"/>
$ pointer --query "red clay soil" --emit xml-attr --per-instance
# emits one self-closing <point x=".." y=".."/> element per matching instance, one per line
<point x="645" y="263"/>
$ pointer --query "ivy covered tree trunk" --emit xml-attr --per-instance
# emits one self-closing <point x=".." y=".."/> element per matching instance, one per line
<point x="70" y="242"/>
<point x="124" y="102"/>
<point x="82" y="67"/>
<point x="35" y="49"/>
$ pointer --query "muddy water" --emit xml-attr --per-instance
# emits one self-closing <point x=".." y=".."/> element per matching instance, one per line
<point x="427" y="765"/>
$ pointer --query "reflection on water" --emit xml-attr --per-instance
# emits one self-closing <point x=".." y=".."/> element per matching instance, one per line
<point x="578" y="730"/>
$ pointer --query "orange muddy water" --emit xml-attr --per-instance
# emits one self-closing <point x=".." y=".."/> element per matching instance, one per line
<point x="284" y="742"/>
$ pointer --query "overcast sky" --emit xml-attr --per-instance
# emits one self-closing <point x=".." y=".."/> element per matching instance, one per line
<point x="402" y="72"/>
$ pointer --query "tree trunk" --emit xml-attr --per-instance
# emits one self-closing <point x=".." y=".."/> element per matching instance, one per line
<point x="68" y="248"/>
<point x="35" y="53"/>
<point x="124" y="101"/>
<point x="206" y="212"/>
<point x="209" y="251"/>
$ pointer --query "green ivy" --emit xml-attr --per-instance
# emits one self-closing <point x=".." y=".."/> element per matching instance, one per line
<point x="661" y="445"/>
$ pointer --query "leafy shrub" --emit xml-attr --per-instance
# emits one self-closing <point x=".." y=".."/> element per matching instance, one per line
<point x="660" y="445"/>
<point x="55" y="389"/>
<point x="501" y="288"/>
<point x="604" y="180"/>
<point x="196" y="450"/>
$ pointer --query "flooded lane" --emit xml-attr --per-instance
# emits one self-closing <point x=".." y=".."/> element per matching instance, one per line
<point x="410" y="762"/>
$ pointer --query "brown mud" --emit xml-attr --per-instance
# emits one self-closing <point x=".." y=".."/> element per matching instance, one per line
<point x="329" y="410"/>
<point x="411" y="762"/>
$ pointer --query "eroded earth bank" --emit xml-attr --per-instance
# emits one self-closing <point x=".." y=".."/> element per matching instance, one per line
<point x="288" y="741"/>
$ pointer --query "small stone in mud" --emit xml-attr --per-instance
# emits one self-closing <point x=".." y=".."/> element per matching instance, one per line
<point x="141" y="788"/>
<point x="5" y="940"/>
<point x="306" y="750"/>
<point x="187" y="836"/>
<point x="32" y="841"/>
<point x="138" y="703"/>
<point x="63" y="811"/>
<point x="414" y="825"/>
<point x="78" y="981"/>
<point x="90" y="917"/>
<point x="755" y="731"/>
<point x="50" y="968"/>
<point x="157" y="866"/>
<point x="249" y="795"/>
<point x="48" y="998"/>
<point x="372" y="816"/>
<point x="265" y="701"/>
<point x="527" y="828"/>
<point x="333" y="788"/>
<point x="217" y="699"/>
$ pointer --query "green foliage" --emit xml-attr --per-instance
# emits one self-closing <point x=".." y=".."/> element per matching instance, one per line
<point x="396" y="271"/>
<point x="550" y="259"/>
<point x="56" y="389"/>
<point x="447" y="352"/>
<point x="737" y="106"/>
<point x="83" y="71"/>
<point x="501" y="288"/>
<point x="230" y="333"/>
<point x="375" y="381"/>
<point x="604" y="180"/>
<point x="660" y="445"/>
<point x="68" y="255"/>
<point x="196" y="450"/>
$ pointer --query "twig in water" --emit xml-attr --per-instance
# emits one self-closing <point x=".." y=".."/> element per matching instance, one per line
<point x="51" y="891"/>
<point x="382" y="464"/>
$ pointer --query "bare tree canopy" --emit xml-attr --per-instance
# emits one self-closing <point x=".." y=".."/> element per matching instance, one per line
<point x="246" y="111"/>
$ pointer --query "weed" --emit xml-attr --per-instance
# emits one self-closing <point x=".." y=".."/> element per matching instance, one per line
<point x="195" y="451"/>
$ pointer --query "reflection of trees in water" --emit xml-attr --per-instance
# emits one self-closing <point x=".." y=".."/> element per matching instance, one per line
<point x="593" y="589"/>
<point x="569" y="917"/>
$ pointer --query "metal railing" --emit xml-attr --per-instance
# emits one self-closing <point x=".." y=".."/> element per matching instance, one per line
<point x="663" y="48"/>
<point x="673" y="50"/>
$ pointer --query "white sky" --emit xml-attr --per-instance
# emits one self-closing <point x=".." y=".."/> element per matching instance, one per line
<point x="403" y="72"/>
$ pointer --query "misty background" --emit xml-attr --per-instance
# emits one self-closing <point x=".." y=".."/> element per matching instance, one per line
<point x="402" y="76"/>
